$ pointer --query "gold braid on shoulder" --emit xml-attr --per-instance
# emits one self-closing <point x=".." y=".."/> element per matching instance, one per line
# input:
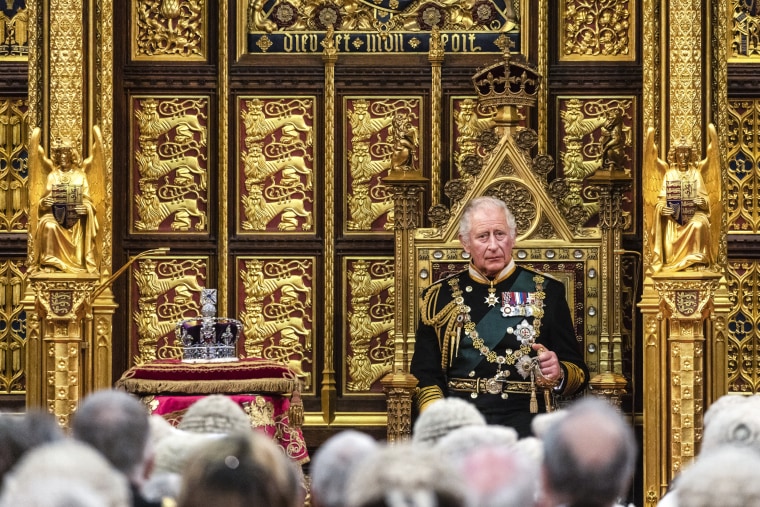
<point x="446" y="316"/>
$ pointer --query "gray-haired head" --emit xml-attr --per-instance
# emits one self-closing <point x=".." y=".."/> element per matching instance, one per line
<point x="500" y="476"/>
<point x="725" y="477"/>
<point x="735" y="423"/>
<point x="589" y="454"/>
<point x="333" y="463"/>
<point x="486" y="202"/>
<point x="68" y="462"/>
<point x="462" y="441"/>
<point x="116" y="424"/>
<point x="443" y="416"/>
<point x="406" y="475"/>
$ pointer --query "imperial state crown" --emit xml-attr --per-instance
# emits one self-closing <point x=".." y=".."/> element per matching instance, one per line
<point x="208" y="338"/>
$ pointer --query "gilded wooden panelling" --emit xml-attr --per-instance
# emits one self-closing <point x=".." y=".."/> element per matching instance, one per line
<point x="275" y="302"/>
<point x="368" y="306"/>
<point x="13" y="165"/>
<point x="369" y="141"/>
<point x="743" y="159"/>
<point x="744" y="31"/>
<point x="12" y="326"/>
<point x="743" y="325"/>
<point x="383" y="26"/>
<point x="594" y="30"/>
<point x="686" y="59"/>
<point x="170" y="165"/>
<point x="163" y="292"/>
<point x="472" y="135"/>
<point x="14" y="20"/>
<point x="169" y="29"/>
<point x="276" y="164"/>
<point x="593" y="133"/>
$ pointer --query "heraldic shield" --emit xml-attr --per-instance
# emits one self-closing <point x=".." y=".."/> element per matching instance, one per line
<point x="66" y="199"/>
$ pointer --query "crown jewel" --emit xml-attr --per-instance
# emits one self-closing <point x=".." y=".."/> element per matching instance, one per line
<point x="513" y="81"/>
<point x="208" y="338"/>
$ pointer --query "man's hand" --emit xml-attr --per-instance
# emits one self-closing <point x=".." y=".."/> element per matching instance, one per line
<point x="548" y="363"/>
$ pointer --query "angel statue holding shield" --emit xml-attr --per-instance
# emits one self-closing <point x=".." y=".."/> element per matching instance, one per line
<point x="64" y="221"/>
<point x="682" y="205"/>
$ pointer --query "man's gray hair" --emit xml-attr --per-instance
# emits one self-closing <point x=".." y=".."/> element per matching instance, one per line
<point x="486" y="202"/>
<point x="589" y="454"/>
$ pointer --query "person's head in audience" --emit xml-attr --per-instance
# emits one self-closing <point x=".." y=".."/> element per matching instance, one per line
<point x="21" y="432"/>
<point x="65" y="473"/>
<point x="333" y="463"/>
<point x="116" y="424"/>
<point x="406" y="475"/>
<point x="589" y="456"/>
<point x="725" y="477"/>
<point x="500" y="476"/>
<point x="442" y="417"/>
<point x="732" y="422"/>
<point x="240" y="470"/>
<point x="216" y="413"/>
<point x="460" y="442"/>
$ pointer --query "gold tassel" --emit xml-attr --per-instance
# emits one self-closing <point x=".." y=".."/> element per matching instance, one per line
<point x="533" y="400"/>
<point x="295" y="411"/>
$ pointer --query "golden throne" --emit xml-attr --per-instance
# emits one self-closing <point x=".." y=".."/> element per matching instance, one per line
<point x="546" y="240"/>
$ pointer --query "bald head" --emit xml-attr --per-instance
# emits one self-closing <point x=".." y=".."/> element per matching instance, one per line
<point x="589" y="454"/>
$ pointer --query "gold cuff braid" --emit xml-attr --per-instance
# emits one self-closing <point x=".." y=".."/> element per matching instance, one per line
<point x="427" y="395"/>
<point x="573" y="379"/>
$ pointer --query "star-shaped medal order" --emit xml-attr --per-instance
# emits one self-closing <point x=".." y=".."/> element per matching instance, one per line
<point x="492" y="300"/>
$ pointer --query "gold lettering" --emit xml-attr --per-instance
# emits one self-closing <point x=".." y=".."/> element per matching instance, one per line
<point x="301" y="43"/>
<point x="473" y="47"/>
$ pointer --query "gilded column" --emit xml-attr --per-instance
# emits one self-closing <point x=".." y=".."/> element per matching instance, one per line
<point x="329" y="390"/>
<point x="612" y="184"/>
<point x="407" y="185"/>
<point x="69" y="340"/>
<point x="684" y="301"/>
<point x="435" y="56"/>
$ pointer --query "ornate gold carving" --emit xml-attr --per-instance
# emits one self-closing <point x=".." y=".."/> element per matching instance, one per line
<point x="353" y="15"/>
<point x="277" y="312"/>
<point x="66" y="66"/>
<point x="596" y="30"/>
<point x="172" y="141"/>
<point x="13" y="332"/>
<point x="743" y="319"/>
<point x="596" y="135"/>
<point x="14" y="41"/>
<point x="683" y="207"/>
<point x="370" y="157"/>
<point x="471" y="120"/>
<point x="70" y="200"/>
<point x="166" y="291"/>
<point x="743" y="155"/>
<point x="370" y="305"/>
<point x="277" y="164"/>
<point x="744" y="25"/>
<point x="169" y="29"/>
<point x="685" y="71"/>
<point x="14" y="205"/>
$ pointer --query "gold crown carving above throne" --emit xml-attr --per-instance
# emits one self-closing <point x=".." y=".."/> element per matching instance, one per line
<point x="512" y="81"/>
<point x="208" y="338"/>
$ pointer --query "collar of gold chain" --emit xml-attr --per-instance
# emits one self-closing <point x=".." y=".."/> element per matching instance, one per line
<point x="511" y="356"/>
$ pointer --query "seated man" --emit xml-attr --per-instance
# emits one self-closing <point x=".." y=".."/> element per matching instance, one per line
<point x="496" y="333"/>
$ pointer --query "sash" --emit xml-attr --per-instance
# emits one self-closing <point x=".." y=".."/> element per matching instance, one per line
<point x="491" y="330"/>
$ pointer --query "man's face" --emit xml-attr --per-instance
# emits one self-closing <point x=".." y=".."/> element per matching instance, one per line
<point x="488" y="242"/>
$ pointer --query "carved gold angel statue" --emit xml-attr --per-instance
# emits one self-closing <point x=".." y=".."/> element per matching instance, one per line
<point x="65" y="195"/>
<point x="682" y="205"/>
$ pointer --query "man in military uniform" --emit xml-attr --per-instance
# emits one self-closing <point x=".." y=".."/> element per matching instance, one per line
<point x="496" y="334"/>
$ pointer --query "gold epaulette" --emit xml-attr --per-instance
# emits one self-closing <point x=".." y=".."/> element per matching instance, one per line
<point x="427" y="395"/>
<point x="574" y="378"/>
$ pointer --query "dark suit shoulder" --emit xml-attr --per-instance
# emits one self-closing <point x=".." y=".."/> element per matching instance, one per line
<point x="537" y="272"/>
